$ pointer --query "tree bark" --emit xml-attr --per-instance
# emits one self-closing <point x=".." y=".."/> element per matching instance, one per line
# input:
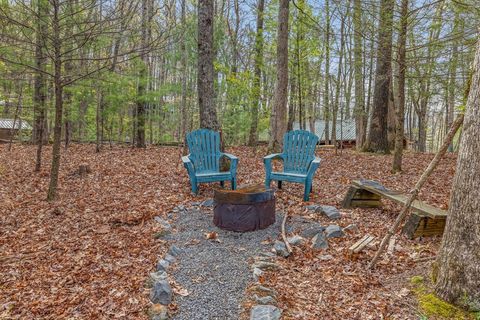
<point x="57" y="130"/>
<point x="360" y="115"/>
<point x="400" y="107"/>
<point x="326" y="93"/>
<point x="205" y="84"/>
<point x="378" y="127"/>
<point x="256" y="90"/>
<point x="458" y="279"/>
<point x="39" y="94"/>
<point x="184" y="62"/>
<point x="143" y="78"/>
<point x="278" y="118"/>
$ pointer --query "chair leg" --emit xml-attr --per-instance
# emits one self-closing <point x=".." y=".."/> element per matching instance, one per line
<point x="279" y="184"/>
<point x="234" y="183"/>
<point x="267" y="183"/>
<point x="194" y="188"/>
<point x="222" y="184"/>
<point x="306" y="193"/>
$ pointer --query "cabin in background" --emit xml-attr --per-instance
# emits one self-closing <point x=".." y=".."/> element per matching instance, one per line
<point x="346" y="132"/>
<point x="12" y="127"/>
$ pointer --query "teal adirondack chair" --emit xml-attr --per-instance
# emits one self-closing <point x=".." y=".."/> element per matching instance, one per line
<point x="203" y="162"/>
<point x="299" y="161"/>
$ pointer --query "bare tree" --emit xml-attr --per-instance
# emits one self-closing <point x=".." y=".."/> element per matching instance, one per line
<point x="278" y="118"/>
<point x="400" y="107"/>
<point x="205" y="85"/>
<point x="256" y="90"/>
<point x="458" y="276"/>
<point x="378" y="126"/>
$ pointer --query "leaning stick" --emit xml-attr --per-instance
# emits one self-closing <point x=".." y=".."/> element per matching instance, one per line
<point x="414" y="192"/>
<point x="284" y="235"/>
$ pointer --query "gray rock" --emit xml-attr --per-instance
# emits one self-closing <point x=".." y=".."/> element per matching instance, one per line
<point x="162" y="265"/>
<point x="330" y="212"/>
<point x="163" y="223"/>
<point x="181" y="207"/>
<point x="257" y="273"/>
<point x="352" y="227"/>
<point x="265" y="265"/>
<point x="319" y="241"/>
<point x="175" y="251"/>
<point x="312" y="207"/>
<point x="196" y="203"/>
<point x="154" y="277"/>
<point x="208" y="203"/>
<point x="311" y="230"/>
<point x="265" y="290"/>
<point x="265" y="300"/>
<point x="295" y="240"/>
<point x="325" y="257"/>
<point x="161" y="292"/>
<point x="265" y="312"/>
<point x="171" y="259"/>
<point x="333" y="231"/>
<point x="280" y="249"/>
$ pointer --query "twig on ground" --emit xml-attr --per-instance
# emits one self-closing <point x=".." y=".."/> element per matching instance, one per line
<point x="284" y="236"/>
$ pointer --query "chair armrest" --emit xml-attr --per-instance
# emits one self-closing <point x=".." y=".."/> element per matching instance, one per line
<point x="233" y="162"/>
<point x="273" y="156"/>
<point x="188" y="164"/>
<point x="229" y="156"/>
<point x="268" y="162"/>
<point x="313" y="166"/>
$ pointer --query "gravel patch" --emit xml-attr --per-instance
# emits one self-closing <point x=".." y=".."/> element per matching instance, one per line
<point x="215" y="273"/>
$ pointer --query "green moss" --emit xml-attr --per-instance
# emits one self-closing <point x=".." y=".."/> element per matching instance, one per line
<point x="416" y="280"/>
<point x="432" y="307"/>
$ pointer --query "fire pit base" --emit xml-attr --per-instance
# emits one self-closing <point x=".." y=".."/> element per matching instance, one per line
<point x="248" y="208"/>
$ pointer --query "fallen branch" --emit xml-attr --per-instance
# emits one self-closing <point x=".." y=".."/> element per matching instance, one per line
<point x="284" y="235"/>
<point x="416" y="190"/>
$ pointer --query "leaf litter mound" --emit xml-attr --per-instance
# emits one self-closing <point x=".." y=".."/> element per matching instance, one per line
<point x="87" y="255"/>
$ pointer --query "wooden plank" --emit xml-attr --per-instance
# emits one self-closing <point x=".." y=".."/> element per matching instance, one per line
<point x="347" y="201"/>
<point x="365" y="203"/>
<point x="361" y="244"/>
<point x="424" y="208"/>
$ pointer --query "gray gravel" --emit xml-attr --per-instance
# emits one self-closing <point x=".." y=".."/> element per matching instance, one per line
<point x="214" y="273"/>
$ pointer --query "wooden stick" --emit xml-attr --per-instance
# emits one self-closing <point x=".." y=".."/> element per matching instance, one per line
<point x="414" y="193"/>
<point x="284" y="235"/>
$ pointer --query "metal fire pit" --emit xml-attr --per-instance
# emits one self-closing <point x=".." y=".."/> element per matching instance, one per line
<point x="248" y="208"/>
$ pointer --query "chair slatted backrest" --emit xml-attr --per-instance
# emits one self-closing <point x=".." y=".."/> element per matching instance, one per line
<point x="298" y="150"/>
<point x="204" y="146"/>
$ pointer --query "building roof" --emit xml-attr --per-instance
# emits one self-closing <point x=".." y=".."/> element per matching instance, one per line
<point x="346" y="129"/>
<point x="8" y="124"/>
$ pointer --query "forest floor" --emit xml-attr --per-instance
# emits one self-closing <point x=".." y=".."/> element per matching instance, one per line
<point x="87" y="255"/>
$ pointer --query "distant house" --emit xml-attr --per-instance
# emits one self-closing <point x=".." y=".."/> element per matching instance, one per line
<point x="7" y="128"/>
<point x="346" y="131"/>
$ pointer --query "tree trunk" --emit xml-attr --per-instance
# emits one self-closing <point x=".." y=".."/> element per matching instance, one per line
<point x="205" y="84"/>
<point x="339" y="81"/>
<point x="39" y="93"/>
<point x="326" y="93"/>
<point x="458" y="279"/>
<point x="184" y="62"/>
<point x="57" y="130"/>
<point x="400" y="107"/>
<point x="378" y="127"/>
<point x="278" y="118"/>
<point x="360" y="115"/>
<point x="142" y="78"/>
<point x="256" y="90"/>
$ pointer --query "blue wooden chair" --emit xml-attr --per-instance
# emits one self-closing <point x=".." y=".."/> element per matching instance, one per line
<point x="203" y="162"/>
<point x="299" y="161"/>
